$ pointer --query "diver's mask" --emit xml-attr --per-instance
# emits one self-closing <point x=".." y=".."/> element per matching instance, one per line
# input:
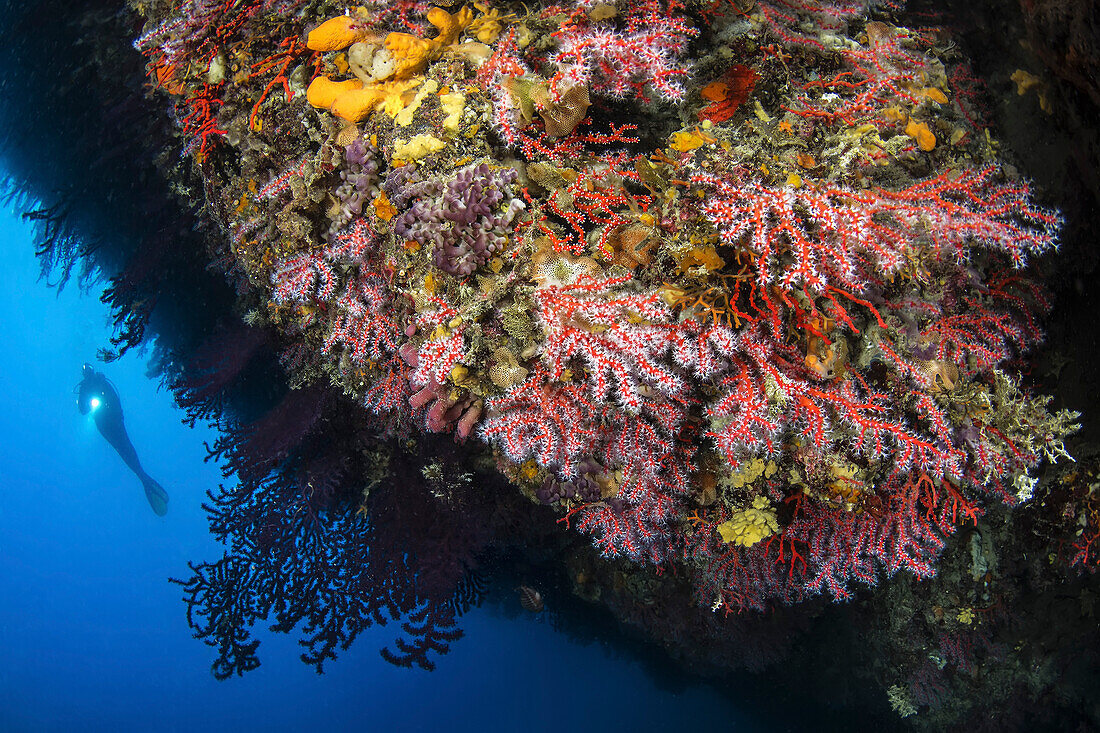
<point x="89" y="398"/>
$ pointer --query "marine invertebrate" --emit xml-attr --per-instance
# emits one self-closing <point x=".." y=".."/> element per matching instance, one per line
<point x="463" y="221"/>
<point x="388" y="68"/>
<point x="336" y="34"/>
<point x="359" y="184"/>
<point x="530" y="599"/>
<point x="857" y="236"/>
<point x="727" y="95"/>
<point x="750" y="525"/>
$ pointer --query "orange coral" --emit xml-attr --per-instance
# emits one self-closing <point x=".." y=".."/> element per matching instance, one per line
<point x="166" y="78"/>
<point x="919" y="131"/>
<point x="729" y="94"/>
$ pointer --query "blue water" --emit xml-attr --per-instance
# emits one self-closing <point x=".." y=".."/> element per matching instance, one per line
<point x="93" y="637"/>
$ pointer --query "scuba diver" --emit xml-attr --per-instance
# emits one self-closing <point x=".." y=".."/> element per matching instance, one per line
<point x="97" y="395"/>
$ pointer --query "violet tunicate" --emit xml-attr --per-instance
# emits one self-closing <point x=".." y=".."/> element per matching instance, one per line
<point x="466" y="219"/>
<point x="582" y="488"/>
<point x="359" y="183"/>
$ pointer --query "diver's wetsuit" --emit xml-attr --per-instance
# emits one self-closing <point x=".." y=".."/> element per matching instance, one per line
<point x="97" y="395"/>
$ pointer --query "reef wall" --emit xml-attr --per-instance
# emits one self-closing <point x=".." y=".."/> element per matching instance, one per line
<point x="713" y="312"/>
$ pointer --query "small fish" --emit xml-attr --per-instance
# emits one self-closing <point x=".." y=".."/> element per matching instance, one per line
<point x="530" y="599"/>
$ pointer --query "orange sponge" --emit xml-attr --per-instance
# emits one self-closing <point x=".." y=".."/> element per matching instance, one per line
<point x="323" y="92"/>
<point x="334" y="34"/>
<point x="356" y="105"/>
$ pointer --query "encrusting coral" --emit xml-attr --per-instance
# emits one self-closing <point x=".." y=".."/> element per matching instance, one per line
<point x="750" y="525"/>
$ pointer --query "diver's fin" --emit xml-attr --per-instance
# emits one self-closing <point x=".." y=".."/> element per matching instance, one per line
<point x="157" y="496"/>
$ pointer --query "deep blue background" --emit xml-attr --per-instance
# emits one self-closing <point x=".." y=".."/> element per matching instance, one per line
<point x="92" y="637"/>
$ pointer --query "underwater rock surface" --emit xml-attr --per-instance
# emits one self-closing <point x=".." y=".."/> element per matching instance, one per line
<point x="711" y="311"/>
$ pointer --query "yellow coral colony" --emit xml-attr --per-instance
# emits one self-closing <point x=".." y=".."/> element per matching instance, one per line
<point x="751" y="524"/>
